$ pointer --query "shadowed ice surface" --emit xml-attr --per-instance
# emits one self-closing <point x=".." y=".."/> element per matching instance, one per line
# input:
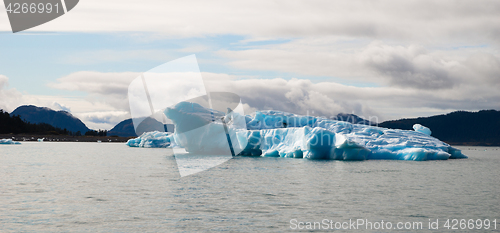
<point x="95" y="187"/>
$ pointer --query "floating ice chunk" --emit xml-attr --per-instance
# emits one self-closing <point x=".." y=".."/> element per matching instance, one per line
<point x="422" y="129"/>
<point x="153" y="139"/>
<point x="274" y="133"/>
<point x="281" y="134"/>
<point x="8" y="141"/>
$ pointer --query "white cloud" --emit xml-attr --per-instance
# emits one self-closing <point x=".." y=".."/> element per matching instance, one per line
<point x="58" y="106"/>
<point x="10" y="98"/>
<point x="96" y="82"/>
<point x="379" y="63"/>
<point x="410" y="66"/>
<point x="329" y="98"/>
<point x="109" y="89"/>
<point x="103" y="119"/>
<point x="423" y="20"/>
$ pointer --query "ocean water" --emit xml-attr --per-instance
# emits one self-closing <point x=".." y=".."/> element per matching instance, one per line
<point x="103" y="187"/>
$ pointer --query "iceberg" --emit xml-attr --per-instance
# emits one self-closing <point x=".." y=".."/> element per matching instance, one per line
<point x="8" y="141"/>
<point x="281" y="134"/>
<point x="153" y="139"/>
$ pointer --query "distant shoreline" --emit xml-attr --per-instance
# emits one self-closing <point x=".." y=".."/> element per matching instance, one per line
<point x="474" y="143"/>
<point x="67" y="138"/>
<point x="63" y="138"/>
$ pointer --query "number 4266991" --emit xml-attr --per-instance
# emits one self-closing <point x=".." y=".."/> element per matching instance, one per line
<point x="32" y="8"/>
<point x="470" y="224"/>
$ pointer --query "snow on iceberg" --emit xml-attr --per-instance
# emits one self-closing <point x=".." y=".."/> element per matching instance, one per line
<point x="8" y="141"/>
<point x="422" y="129"/>
<point x="281" y="134"/>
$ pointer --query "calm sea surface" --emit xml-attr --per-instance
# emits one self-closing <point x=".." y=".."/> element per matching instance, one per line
<point x="94" y="187"/>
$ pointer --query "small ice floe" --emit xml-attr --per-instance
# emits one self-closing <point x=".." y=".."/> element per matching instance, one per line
<point x="8" y="141"/>
<point x="153" y="139"/>
<point x="40" y="139"/>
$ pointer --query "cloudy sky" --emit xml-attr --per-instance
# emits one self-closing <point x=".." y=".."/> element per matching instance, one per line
<point x="388" y="59"/>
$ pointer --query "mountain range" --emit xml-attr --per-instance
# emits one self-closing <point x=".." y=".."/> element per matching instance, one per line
<point x="460" y="127"/>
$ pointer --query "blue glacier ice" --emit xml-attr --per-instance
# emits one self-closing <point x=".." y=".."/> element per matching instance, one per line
<point x="281" y="134"/>
<point x="422" y="129"/>
<point x="8" y="141"/>
<point x="153" y="139"/>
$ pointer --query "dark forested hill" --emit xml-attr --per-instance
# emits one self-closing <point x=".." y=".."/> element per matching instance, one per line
<point x="59" y="119"/>
<point x="123" y="129"/>
<point x="14" y="124"/>
<point x="126" y="127"/>
<point x="461" y="127"/>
